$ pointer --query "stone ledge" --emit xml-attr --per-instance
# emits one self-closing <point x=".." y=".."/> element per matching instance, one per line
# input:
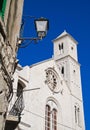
<point x="12" y="118"/>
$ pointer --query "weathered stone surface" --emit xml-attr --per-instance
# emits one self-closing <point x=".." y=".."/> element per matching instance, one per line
<point x="9" y="31"/>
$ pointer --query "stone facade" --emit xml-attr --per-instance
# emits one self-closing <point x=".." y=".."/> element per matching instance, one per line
<point x="52" y="90"/>
<point x="10" y="23"/>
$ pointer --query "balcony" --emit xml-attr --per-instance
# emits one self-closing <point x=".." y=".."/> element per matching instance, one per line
<point x="14" y="115"/>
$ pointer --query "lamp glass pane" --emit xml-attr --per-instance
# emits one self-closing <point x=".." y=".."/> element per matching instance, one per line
<point x="41" y="26"/>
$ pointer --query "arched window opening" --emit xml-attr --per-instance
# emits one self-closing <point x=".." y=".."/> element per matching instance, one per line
<point x="77" y="115"/>
<point x="47" y="118"/>
<point x="60" y="48"/>
<point x="62" y="70"/>
<point x="51" y="116"/>
<point x="54" y="119"/>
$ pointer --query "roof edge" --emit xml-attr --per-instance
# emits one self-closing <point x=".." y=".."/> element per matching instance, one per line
<point x="64" y="34"/>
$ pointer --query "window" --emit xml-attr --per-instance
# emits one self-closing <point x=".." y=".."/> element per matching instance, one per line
<point x="54" y="119"/>
<point x="71" y="48"/>
<point x="61" y="48"/>
<point x="47" y="118"/>
<point x="62" y="70"/>
<point x="77" y="114"/>
<point x="1" y="3"/>
<point x="74" y="71"/>
<point x="2" y="7"/>
<point x="51" y="116"/>
<point x="19" y="89"/>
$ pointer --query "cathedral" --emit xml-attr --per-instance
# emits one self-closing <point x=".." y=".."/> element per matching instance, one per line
<point x="51" y="91"/>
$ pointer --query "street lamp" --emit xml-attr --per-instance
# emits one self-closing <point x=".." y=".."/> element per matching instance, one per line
<point x="41" y="26"/>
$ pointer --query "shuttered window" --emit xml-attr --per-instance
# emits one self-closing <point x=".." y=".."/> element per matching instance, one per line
<point x="2" y="8"/>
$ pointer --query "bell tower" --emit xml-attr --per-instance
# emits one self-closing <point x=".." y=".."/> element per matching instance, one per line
<point x="65" y="56"/>
<point x="65" y="45"/>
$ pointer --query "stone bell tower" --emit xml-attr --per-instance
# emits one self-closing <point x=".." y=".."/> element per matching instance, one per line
<point x="65" y="55"/>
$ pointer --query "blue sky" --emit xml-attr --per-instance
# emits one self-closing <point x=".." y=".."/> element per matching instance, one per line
<point x="69" y="15"/>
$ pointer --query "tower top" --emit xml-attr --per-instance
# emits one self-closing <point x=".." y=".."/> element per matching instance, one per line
<point x="64" y="34"/>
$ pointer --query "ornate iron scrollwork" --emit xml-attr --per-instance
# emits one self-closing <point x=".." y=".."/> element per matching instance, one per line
<point x="18" y="106"/>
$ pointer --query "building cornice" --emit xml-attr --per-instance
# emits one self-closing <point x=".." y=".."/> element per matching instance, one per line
<point x="56" y="59"/>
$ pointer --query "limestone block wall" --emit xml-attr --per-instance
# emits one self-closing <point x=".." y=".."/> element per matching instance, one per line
<point x="9" y="32"/>
<point x="13" y="22"/>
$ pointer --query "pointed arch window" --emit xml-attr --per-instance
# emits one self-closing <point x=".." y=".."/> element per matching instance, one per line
<point x="50" y="117"/>
<point x="47" y="118"/>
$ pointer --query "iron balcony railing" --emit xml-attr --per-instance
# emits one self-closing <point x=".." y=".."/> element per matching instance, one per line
<point x="17" y="107"/>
